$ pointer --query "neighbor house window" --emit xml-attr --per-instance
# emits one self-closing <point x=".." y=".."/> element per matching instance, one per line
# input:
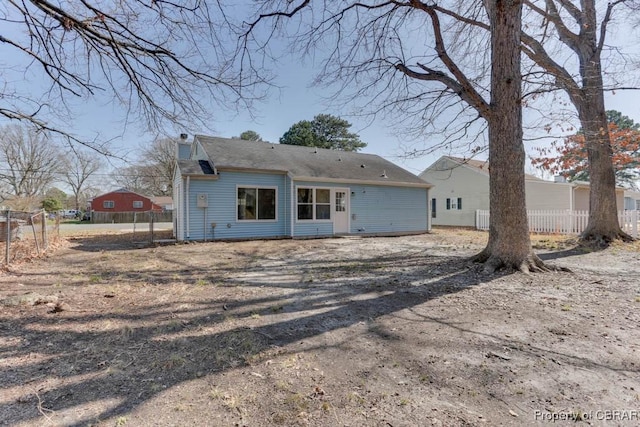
<point x="108" y="204"/>
<point x="314" y="203"/>
<point x="459" y="203"/>
<point x="448" y="204"/>
<point x="137" y="204"/>
<point x="256" y="203"/>
<point x="433" y="208"/>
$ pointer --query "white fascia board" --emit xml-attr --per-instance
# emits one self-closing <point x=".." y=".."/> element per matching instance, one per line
<point x="363" y="182"/>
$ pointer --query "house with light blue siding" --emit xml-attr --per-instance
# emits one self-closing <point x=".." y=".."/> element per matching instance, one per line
<point x="235" y="189"/>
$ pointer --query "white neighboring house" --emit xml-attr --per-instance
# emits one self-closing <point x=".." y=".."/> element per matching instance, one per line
<point x="461" y="186"/>
<point x="631" y="200"/>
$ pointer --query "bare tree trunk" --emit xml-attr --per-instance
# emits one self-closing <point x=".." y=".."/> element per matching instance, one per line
<point x="509" y="243"/>
<point x="603" y="226"/>
<point x="587" y="96"/>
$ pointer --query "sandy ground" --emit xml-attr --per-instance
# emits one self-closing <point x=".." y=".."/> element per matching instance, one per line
<point x="400" y="331"/>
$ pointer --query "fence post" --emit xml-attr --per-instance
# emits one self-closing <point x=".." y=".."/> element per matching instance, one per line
<point x="151" y="218"/>
<point x="45" y="241"/>
<point x="35" y="234"/>
<point x="8" y="243"/>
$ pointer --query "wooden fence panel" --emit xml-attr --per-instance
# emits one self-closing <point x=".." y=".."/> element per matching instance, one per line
<point x="130" y="217"/>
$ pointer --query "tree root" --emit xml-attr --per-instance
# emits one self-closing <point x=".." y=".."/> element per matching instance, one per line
<point x="530" y="264"/>
<point x="596" y="240"/>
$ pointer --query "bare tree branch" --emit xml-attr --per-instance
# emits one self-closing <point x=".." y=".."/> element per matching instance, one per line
<point x="166" y="62"/>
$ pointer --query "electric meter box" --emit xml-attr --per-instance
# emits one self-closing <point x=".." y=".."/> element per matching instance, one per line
<point x="201" y="200"/>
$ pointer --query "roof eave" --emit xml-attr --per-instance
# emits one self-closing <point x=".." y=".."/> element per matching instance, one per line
<point x="201" y="175"/>
<point x="362" y="181"/>
<point x="241" y="169"/>
<point x="457" y="162"/>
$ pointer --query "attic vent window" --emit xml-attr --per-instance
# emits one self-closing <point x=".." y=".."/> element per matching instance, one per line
<point x="362" y="166"/>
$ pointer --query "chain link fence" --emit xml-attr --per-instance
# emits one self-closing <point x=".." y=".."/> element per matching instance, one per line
<point x="24" y="235"/>
<point x="145" y="226"/>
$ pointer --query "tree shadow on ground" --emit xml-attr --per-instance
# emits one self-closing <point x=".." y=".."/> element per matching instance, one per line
<point x="121" y="241"/>
<point x="566" y="253"/>
<point x="160" y="346"/>
<point x="130" y="356"/>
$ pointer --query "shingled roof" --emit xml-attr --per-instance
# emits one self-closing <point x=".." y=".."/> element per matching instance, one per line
<point x="305" y="162"/>
<point x="483" y="165"/>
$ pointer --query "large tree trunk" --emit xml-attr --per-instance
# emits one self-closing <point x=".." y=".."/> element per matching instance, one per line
<point x="603" y="225"/>
<point x="509" y="243"/>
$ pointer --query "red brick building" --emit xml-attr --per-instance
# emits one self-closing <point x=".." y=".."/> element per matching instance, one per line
<point x="123" y="200"/>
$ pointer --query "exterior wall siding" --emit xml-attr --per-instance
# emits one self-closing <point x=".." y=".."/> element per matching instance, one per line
<point x="452" y="181"/>
<point x="222" y="207"/>
<point x="198" y="152"/>
<point x="311" y="228"/>
<point x="620" y="199"/>
<point x="582" y="199"/>
<point x="373" y="209"/>
<point x="541" y="195"/>
<point x="380" y="209"/>
<point x="178" y="203"/>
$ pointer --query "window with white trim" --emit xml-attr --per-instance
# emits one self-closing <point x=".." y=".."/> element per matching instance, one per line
<point x="314" y="203"/>
<point x="137" y="204"/>
<point x="256" y="204"/>
<point x="108" y="204"/>
<point x="455" y="204"/>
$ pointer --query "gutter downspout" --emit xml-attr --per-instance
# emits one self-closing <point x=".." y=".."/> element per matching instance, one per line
<point x="428" y="212"/>
<point x="291" y="206"/>
<point x="187" y="207"/>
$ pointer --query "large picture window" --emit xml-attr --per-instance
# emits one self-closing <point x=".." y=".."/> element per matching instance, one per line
<point x="314" y="203"/>
<point x="256" y="204"/>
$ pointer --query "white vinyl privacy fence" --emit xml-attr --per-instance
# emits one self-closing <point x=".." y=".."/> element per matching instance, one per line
<point x="564" y="222"/>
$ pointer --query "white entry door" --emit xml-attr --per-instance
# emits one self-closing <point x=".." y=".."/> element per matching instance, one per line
<point x="341" y="211"/>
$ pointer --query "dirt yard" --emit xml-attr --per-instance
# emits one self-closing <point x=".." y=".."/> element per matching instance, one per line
<point x="399" y="331"/>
